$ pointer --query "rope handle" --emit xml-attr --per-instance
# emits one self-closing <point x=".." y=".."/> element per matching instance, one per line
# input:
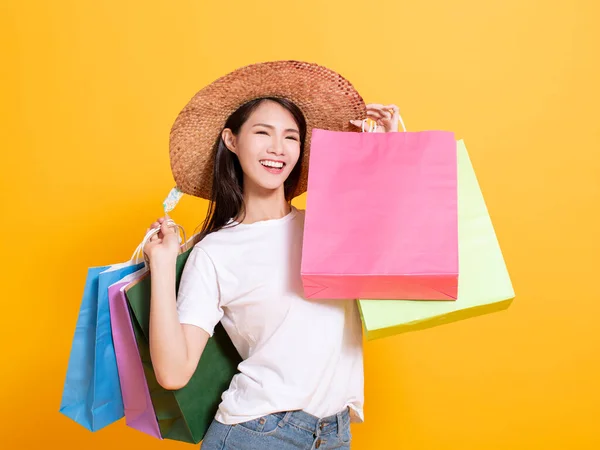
<point x="139" y="251"/>
<point x="373" y="123"/>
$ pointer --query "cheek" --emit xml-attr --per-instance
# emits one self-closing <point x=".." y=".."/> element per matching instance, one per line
<point x="248" y="152"/>
<point x="294" y="153"/>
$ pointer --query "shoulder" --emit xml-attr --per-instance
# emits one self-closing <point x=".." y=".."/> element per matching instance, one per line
<point x="218" y="244"/>
<point x="211" y="244"/>
<point x="199" y="256"/>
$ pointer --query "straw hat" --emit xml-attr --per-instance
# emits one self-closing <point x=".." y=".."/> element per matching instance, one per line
<point x="327" y="100"/>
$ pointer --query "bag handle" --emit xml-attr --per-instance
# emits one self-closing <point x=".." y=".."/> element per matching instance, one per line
<point x="373" y="124"/>
<point x="168" y="205"/>
<point x="140" y="248"/>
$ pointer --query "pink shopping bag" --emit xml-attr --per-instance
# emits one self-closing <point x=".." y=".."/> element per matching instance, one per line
<point x="381" y="216"/>
<point x="139" y="411"/>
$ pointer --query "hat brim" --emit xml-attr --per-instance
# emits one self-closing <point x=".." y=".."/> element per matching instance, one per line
<point x="327" y="100"/>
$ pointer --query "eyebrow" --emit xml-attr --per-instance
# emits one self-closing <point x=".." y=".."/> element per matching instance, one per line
<point x="272" y="127"/>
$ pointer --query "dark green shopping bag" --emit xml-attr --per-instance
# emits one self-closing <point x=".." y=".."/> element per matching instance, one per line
<point x="184" y="414"/>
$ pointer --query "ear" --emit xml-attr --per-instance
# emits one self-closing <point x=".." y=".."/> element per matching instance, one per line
<point x="229" y="140"/>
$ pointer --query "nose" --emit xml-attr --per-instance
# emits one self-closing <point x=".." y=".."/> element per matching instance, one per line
<point x="276" y="147"/>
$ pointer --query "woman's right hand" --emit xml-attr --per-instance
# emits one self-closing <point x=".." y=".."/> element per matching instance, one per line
<point x="164" y="245"/>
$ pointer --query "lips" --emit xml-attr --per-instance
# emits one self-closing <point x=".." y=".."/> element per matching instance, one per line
<point x="272" y="163"/>
<point x="272" y="166"/>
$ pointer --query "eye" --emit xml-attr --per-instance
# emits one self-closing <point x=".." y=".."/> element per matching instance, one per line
<point x="293" y="138"/>
<point x="262" y="132"/>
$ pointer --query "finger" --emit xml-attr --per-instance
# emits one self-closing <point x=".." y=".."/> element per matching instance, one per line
<point x="384" y="109"/>
<point x="359" y="123"/>
<point x="381" y="106"/>
<point x="166" y="229"/>
<point x="371" y="112"/>
<point x="394" y="108"/>
<point x="382" y="112"/>
<point x="378" y="115"/>
<point x="376" y="107"/>
<point x="385" y="114"/>
<point x="374" y="111"/>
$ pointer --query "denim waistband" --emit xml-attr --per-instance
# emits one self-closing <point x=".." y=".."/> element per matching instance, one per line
<point x="326" y="425"/>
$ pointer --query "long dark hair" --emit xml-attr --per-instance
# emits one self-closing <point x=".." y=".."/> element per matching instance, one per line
<point x="227" y="197"/>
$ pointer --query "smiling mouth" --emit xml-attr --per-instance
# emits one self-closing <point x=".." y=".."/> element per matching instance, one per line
<point x="278" y="165"/>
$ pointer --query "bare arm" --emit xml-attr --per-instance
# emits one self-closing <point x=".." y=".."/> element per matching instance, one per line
<point x="175" y="349"/>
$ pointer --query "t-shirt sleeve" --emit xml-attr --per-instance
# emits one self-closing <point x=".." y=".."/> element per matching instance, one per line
<point x="198" y="296"/>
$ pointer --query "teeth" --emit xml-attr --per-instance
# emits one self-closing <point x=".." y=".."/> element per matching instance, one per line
<point x="277" y="165"/>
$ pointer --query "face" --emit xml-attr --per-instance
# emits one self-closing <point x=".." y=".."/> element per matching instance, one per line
<point x="267" y="146"/>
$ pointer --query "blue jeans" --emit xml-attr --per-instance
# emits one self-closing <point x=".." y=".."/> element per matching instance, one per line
<point x="291" y="430"/>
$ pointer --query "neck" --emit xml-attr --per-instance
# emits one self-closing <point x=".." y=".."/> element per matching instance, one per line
<point x="262" y="205"/>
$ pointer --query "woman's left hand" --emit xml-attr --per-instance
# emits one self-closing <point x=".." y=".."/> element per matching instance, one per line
<point x="387" y="117"/>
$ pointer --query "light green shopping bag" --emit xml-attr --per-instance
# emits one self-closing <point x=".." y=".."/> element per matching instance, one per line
<point x="484" y="285"/>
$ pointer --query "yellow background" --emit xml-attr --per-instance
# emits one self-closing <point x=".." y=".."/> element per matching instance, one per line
<point x="90" y="90"/>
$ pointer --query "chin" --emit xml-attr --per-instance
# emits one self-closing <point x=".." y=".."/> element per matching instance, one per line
<point x="271" y="187"/>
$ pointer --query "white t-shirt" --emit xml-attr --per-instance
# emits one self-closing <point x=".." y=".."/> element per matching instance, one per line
<point x="298" y="354"/>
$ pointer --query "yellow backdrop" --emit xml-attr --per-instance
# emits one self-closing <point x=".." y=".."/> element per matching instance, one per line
<point x="90" y="90"/>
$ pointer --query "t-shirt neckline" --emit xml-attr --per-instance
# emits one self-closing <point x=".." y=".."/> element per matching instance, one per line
<point x="288" y="216"/>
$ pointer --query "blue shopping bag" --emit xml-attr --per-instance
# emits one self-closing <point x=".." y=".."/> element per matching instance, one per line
<point x="92" y="393"/>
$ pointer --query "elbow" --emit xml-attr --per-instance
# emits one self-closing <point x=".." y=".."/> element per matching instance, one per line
<point x="172" y="381"/>
<point x="168" y="375"/>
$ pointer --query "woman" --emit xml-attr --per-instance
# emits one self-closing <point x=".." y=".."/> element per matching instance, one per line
<point x="301" y="380"/>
